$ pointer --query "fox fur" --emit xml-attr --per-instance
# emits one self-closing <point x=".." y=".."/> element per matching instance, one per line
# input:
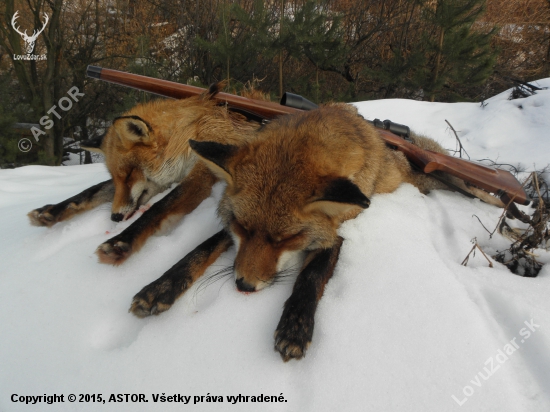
<point x="290" y="185"/>
<point x="146" y="151"/>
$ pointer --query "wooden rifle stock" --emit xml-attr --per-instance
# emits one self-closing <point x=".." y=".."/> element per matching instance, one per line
<point x="500" y="182"/>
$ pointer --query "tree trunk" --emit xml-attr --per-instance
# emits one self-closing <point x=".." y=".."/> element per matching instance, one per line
<point x="437" y="63"/>
<point x="13" y="45"/>
<point x="281" y="52"/>
<point x="51" y="85"/>
<point x="40" y="88"/>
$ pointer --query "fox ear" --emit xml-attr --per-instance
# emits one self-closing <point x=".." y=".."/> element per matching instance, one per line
<point x="214" y="89"/>
<point x="339" y="197"/>
<point x="216" y="156"/>
<point x="93" y="145"/>
<point x="132" y="130"/>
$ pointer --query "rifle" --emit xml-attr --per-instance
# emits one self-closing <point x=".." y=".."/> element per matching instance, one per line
<point x="500" y="182"/>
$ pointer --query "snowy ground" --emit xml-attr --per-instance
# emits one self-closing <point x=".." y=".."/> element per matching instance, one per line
<point x="402" y="325"/>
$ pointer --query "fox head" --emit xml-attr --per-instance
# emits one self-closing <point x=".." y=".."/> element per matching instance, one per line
<point x="146" y="150"/>
<point x="129" y="147"/>
<point x="289" y="187"/>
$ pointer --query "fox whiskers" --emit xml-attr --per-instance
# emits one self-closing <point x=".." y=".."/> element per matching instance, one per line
<point x="284" y="276"/>
<point x="210" y="279"/>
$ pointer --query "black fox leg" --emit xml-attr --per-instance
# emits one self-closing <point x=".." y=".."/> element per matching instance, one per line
<point x="295" y="329"/>
<point x="159" y="295"/>
<point x="88" y="199"/>
<point x="196" y="187"/>
<point x="117" y="249"/>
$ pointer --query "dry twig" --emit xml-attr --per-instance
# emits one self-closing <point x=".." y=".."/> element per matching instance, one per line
<point x="476" y="245"/>
<point x="460" y="147"/>
<point x="519" y="258"/>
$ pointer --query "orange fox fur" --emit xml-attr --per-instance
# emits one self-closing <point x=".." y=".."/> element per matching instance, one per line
<point x="290" y="185"/>
<point x="146" y="151"/>
<point x="277" y="200"/>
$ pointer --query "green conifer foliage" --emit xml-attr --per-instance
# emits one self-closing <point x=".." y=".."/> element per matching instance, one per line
<point x="244" y="43"/>
<point x="458" y="50"/>
<point x="315" y="34"/>
<point x="450" y="54"/>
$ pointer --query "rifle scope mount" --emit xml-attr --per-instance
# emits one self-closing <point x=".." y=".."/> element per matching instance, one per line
<point x="298" y="102"/>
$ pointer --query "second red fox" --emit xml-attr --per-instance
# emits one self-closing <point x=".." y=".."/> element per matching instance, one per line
<point x="290" y="185"/>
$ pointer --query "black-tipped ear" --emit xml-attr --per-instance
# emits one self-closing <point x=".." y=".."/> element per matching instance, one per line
<point x="215" y="155"/>
<point x="214" y="89"/>
<point x="132" y="129"/>
<point x="342" y="190"/>
<point x="93" y="145"/>
<point x="340" y="197"/>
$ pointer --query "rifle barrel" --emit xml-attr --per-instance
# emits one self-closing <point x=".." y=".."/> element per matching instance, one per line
<point x="479" y="175"/>
<point x="165" y="88"/>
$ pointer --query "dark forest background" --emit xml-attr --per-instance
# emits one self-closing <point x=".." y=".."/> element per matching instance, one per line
<point x="343" y="50"/>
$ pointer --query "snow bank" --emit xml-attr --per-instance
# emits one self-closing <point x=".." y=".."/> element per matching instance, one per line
<point x="402" y="325"/>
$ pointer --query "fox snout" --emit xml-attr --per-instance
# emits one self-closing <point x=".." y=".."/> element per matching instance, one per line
<point x="127" y="200"/>
<point x="242" y="286"/>
<point x="117" y="217"/>
<point x="260" y="267"/>
<point x="124" y="213"/>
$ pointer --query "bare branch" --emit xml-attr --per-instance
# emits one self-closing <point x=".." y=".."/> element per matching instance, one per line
<point x="460" y="147"/>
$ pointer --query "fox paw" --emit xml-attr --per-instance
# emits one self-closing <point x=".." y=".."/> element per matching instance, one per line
<point x="114" y="251"/>
<point x="43" y="216"/>
<point x="293" y="335"/>
<point x="153" y="299"/>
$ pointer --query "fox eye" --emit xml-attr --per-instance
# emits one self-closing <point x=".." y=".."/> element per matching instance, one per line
<point x="241" y="229"/>
<point x="128" y="179"/>
<point x="275" y="240"/>
<point x="142" y="197"/>
<point x="278" y="240"/>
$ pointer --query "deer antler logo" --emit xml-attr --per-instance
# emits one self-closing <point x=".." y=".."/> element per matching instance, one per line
<point x="29" y="40"/>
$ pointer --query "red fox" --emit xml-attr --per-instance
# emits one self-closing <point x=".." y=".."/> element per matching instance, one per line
<point x="146" y="151"/>
<point x="290" y="185"/>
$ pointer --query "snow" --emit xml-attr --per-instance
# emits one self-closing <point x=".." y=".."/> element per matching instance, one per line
<point x="402" y="326"/>
<point x="503" y="130"/>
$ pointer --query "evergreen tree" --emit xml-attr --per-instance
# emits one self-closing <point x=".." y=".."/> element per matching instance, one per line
<point x="315" y="33"/>
<point x="451" y="55"/>
<point x="245" y="41"/>
<point x="458" y="54"/>
<point x="399" y="76"/>
<point x="11" y="112"/>
<point x="8" y="143"/>
<point x="248" y="41"/>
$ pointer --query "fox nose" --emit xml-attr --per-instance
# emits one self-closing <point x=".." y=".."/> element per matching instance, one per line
<point x="242" y="286"/>
<point x="117" y="217"/>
